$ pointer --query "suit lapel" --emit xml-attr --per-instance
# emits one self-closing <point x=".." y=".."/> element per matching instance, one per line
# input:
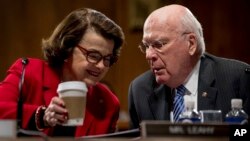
<point x="207" y="93"/>
<point x="158" y="103"/>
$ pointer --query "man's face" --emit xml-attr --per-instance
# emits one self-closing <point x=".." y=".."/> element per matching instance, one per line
<point x="167" y="52"/>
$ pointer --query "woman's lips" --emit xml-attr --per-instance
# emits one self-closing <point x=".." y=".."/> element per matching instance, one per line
<point x="93" y="73"/>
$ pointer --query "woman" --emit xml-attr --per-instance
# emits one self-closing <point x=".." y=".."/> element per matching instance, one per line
<point x="82" y="47"/>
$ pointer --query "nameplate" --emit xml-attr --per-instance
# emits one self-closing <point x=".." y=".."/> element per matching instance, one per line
<point x="166" y="129"/>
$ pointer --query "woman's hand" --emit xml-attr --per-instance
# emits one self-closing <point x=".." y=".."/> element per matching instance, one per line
<point x="56" y="113"/>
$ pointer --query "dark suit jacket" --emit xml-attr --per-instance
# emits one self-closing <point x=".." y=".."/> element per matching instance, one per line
<point x="222" y="79"/>
<point x="40" y="85"/>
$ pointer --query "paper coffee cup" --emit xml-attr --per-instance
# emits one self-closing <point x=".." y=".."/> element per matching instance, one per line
<point x="74" y="94"/>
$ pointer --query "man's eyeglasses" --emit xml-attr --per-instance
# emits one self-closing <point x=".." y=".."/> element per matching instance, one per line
<point x="95" y="57"/>
<point x="156" y="45"/>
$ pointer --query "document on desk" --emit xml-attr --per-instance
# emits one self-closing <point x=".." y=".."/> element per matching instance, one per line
<point x="7" y="128"/>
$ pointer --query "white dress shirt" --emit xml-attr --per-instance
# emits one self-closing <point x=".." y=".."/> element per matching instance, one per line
<point x="192" y="85"/>
<point x="192" y="88"/>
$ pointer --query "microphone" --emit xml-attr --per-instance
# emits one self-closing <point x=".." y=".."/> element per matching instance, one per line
<point x="25" y="61"/>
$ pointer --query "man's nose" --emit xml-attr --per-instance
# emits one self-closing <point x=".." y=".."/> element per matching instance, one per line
<point x="151" y="53"/>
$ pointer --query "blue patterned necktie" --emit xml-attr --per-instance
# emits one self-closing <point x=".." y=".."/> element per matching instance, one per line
<point x="178" y="102"/>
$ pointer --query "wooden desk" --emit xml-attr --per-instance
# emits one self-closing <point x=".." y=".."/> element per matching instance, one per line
<point x="121" y="139"/>
<point x="122" y="125"/>
<point x="157" y="131"/>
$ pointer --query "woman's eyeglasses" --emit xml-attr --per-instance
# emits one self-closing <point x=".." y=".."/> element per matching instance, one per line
<point x="95" y="57"/>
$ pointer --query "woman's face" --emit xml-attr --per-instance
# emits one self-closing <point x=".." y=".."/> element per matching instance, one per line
<point x="90" y="71"/>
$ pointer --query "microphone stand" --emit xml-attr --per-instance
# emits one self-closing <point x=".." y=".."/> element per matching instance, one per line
<point x="20" y="98"/>
<point x="20" y="131"/>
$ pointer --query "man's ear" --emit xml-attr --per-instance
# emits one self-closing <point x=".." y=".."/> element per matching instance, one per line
<point x="192" y="43"/>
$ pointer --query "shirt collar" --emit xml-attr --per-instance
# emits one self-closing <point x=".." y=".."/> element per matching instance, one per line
<point x="192" y="81"/>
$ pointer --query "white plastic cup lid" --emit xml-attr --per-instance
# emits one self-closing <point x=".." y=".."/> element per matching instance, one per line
<point x="72" y="85"/>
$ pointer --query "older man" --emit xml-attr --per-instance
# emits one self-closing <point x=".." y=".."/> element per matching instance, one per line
<point x="174" y="47"/>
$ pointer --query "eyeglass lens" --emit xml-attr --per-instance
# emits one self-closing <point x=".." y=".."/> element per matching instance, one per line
<point x="144" y="46"/>
<point x="95" y="57"/>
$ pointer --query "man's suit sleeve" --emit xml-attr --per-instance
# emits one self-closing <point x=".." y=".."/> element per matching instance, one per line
<point x="134" y="121"/>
